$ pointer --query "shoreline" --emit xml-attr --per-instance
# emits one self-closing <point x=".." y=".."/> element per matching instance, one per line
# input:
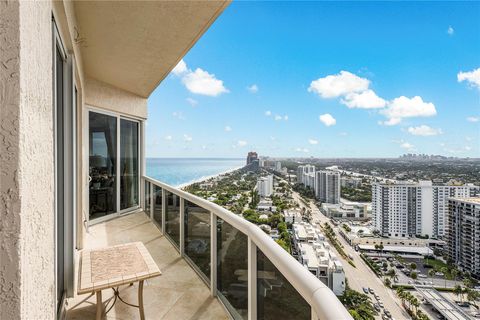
<point x="204" y="178"/>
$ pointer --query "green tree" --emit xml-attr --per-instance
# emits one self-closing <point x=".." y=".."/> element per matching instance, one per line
<point x="431" y="273"/>
<point x="458" y="291"/>
<point x="413" y="275"/>
<point x="413" y="266"/>
<point x="444" y="270"/>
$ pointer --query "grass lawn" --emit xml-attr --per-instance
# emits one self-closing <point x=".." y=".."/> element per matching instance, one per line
<point x="436" y="264"/>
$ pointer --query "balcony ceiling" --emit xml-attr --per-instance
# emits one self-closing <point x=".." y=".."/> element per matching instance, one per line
<point x="133" y="45"/>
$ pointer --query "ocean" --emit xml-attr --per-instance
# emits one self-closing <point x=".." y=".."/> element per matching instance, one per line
<point x="181" y="171"/>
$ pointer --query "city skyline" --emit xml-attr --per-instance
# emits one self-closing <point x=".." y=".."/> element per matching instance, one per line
<point x="322" y="80"/>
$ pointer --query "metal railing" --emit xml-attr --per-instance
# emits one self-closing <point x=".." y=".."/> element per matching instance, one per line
<point x="251" y="275"/>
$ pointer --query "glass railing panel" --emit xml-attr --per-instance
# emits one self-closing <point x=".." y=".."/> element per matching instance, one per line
<point x="172" y="217"/>
<point x="197" y="236"/>
<point x="276" y="297"/>
<point x="147" y="201"/>
<point x="157" y="205"/>
<point x="232" y="269"/>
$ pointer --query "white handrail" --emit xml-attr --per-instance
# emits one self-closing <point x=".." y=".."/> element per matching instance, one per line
<point x="322" y="300"/>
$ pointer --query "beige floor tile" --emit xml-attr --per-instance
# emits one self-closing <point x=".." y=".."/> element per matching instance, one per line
<point x="178" y="293"/>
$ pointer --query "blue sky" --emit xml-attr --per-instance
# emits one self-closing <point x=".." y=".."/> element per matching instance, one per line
<point x="344" y="79"/>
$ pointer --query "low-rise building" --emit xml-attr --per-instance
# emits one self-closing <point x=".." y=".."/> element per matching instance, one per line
<point x="292" y="216"/>
<point x="316" y="254"/>
<point x="347" y="210"/>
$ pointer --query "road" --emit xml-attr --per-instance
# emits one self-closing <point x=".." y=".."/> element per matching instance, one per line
<point x="362" y="275"/>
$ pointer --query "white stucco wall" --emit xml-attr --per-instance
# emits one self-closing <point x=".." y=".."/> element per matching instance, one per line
<point x="36" y="174"/>
<point x="9" y="137"/>
<point x="27" y="279"/>
<point x="102" y="95"/>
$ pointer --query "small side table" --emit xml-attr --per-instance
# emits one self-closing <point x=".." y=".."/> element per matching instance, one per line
<point x="112" y="267"/>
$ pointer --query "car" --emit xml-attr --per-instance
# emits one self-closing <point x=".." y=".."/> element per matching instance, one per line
<point x="371" y="291"/>
<point x="380" y="303"/>
<point x="376" y="307"/>
<point x="440" y="274"/>
<point x="387" y="313"/>
<point x="365" y="290"/>
<point x="421" y="275"/>
<point x="385" y="317"/>
<point x="377" y="297"/>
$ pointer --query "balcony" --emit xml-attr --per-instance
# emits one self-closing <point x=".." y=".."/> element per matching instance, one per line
<point x="233" y="270"/>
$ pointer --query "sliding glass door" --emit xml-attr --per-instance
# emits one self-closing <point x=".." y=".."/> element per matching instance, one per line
<point x="113" y="165"/>
<point x="129" y="164"/>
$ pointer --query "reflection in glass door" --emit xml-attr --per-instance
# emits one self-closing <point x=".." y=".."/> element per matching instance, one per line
<point x="103" y="165"/>
<point x="129" y="182"/>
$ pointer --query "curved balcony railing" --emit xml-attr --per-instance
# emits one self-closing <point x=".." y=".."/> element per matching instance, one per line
<point x="246" y="270"/>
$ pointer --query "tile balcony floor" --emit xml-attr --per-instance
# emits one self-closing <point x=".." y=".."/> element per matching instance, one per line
<point x="178" y="293"/>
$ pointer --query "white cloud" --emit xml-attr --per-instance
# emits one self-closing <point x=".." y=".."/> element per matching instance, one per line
<point x="204" y="147"/>
<point x="272" y="138"/>
<point x="473" y="119"/>
<point x="202" y="82"/>
<point x="192" y="102"/>
<point x="268" y="113"/>
<point x="241" y="143"/>
<point x="424" y="130"/>
<point x="285" y="117"/>
<point x="450" y="30"/>
<point x="403" y="107"/>
<point x="168" y="138"/>
<point x="468" y="148"/>
<point x="304" y="150"/>
<point x="228" y="128"/>
<point x="199" y="81"/>
<point x="472" y="77"/>
<point x="327" y="119"/>
<point x="333" y="86"/>
<point x="178" y="115"/>
<point x="365" y="100"/>
<point x="278" y="118"/>
<point x="312" y="141"/>
<point x="180" y="68"/>
<point x="187" y="138"/>
<point x="253" y="88"/>
<point x="343" y="134"/>
<point x="406" y="145"/>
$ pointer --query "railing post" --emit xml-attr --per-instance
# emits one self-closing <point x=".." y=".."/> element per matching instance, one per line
<point x="213" y="254"/>
<point x="152" y="200"/>
<point x="252" y="280"/>
<point x="182" y="226"/>
<point x="164" y="208"/>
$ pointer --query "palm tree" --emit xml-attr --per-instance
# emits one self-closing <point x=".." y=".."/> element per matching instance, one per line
<point x="415" y="304"/>
<point x="472" y="295"/>
<point x="445" y="271"/>
<point x="393" y="275"/>
<point x="413" y="266"/>
<point x="458" y="291"/>
<point x="388" y="282"/>
<point x="454" y="273"/>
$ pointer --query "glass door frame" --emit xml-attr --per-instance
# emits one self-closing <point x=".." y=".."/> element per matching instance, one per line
<point x="118" y="117"/>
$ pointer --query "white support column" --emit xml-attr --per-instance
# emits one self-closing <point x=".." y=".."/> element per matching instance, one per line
<point x="314" y="315"/>
<point x="182" y="227"/>
<point x="213" y="254"/>
<point x="252" y="280"/>
<point x="164" y="208"/>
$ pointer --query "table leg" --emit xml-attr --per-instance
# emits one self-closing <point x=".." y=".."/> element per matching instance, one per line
<point x="140" y="300"/>
<point x="99" y="305"/>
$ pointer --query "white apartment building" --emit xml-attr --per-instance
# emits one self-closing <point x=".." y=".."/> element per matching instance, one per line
<point x="346" y="210"/>
<point x="327" y="186"/>
<point x="315" y="254"/>
<point x="409" y="209"/>
<point x="303" y="171"/>
<point x="278" y="166"/>
<point x="463" y="236"/>
<point x="265" y="186"/>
